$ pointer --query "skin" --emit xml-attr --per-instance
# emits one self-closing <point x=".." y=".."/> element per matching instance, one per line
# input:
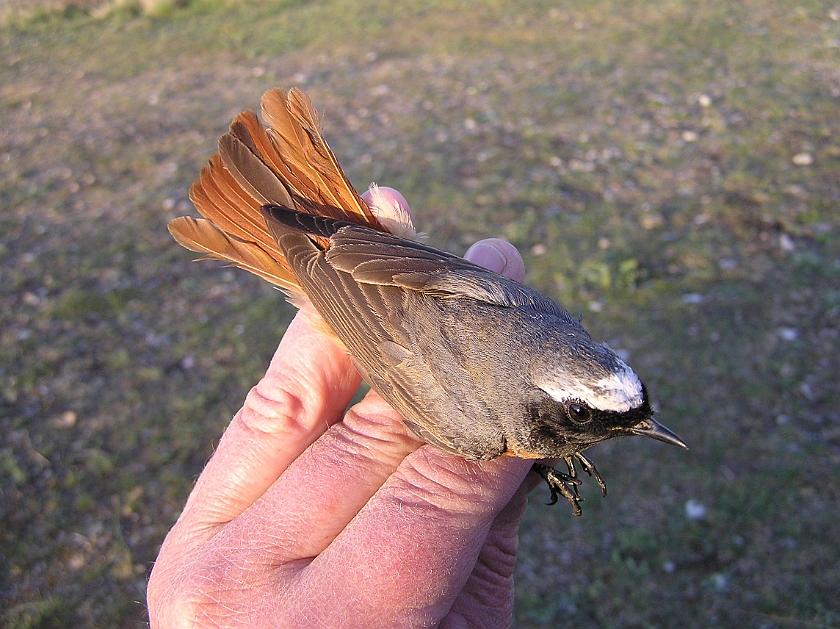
<point x="307" y="516"/>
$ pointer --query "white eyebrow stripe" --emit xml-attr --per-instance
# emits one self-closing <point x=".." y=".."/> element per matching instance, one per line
<point x="619" y="392"/>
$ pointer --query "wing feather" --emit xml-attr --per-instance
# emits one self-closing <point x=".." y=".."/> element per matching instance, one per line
<point x="382" y="258"/>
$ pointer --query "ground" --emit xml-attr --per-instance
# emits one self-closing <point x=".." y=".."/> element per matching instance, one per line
<point x="670" y="170"/>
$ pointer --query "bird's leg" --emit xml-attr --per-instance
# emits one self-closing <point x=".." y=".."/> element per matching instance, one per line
<point x="566" y="485"/>
<point x="570" y="463"/>
<point x="589" y="468"/>
<point x="558" y="483"/>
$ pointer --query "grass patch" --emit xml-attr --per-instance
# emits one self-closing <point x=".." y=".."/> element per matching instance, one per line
<point x="668" y="170"/>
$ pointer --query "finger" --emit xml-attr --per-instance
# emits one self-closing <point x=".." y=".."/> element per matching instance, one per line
<point x="324" y="489"/>
<point x="400" y="562"/>
<point x="499" y="256"/>
<point x="307" y="387"/>
<point x="391" y="210"/>
<point x="487" y="597"/>
<point x="492" y="253"/>
<point x="385" y="200"/>
<point x="416" y="542"/>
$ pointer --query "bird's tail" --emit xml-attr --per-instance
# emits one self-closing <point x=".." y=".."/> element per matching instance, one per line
<point x="287" y="164"/>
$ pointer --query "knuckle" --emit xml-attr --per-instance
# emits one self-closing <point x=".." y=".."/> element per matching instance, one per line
<point x="190" y="600"/>
<point x="170" y="604"/>
<point x="444" y="482"/>
<point x="280" y="413"/>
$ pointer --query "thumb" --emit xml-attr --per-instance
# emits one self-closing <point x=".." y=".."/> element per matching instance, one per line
<point x="498" y="256"/>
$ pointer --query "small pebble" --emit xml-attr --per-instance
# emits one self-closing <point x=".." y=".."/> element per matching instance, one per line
<point x="695" y="510"/>
<point x="788" y="334"/>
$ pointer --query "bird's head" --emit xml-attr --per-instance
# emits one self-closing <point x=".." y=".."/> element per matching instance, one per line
<point x="583" y="393"/>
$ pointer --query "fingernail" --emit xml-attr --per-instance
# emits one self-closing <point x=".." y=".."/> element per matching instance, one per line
<point x="486" y="255"/>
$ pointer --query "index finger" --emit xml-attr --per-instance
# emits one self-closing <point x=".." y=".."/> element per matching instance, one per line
<point x="309" y="384"/>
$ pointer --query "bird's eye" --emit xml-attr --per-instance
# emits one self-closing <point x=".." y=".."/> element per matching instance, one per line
<point x="579" y="413"/>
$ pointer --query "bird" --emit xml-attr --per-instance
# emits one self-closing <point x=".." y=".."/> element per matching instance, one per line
<point x="476" y="363"/>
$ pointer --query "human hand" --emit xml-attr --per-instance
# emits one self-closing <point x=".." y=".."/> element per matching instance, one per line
<point x="310" y="516"/>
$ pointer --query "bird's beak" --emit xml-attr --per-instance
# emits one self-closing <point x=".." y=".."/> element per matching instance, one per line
<point x="653" y="429"/>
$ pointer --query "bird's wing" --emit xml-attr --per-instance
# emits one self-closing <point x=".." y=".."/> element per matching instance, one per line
<point x="379" y="258"/>
<point x="370" y="321"/>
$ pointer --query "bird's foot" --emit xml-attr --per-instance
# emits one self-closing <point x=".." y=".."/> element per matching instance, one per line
<point x="560" y="484"/>
<point x="566" y="485"/>
<point x="588" y="467"/>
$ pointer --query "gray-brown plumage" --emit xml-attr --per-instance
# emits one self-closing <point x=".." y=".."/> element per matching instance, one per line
<point x="478" y="364"/>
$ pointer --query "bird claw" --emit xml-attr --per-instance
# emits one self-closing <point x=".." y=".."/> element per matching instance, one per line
<point x="560" y="483"/>
<point x="589" y="467"/>
<point x="566" y="485"/>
